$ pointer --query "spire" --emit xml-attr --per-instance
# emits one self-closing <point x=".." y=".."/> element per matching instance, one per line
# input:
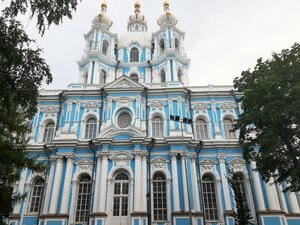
<point x="103" y="7"/>
<point x="137" y="7"/>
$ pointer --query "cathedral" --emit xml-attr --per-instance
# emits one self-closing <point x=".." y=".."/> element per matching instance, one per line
<point x="131" y="143"/>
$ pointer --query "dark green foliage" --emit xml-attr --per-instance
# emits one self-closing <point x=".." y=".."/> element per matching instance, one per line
<point x="242" y="215"/>
<point x="22" y="71"/>
<point x="271" y="104"/>
<point x="47" y="12"/>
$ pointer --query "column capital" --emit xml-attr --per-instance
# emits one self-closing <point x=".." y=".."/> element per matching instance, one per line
<point x="104" y="155"/>
<point x="59" y="158"/>
<point x="173" y="154"/>
<point x="221" y="158"/>
<point x="70" y="157"/>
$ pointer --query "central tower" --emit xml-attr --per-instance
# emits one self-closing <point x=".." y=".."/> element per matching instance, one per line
<point x="156" y="61"/>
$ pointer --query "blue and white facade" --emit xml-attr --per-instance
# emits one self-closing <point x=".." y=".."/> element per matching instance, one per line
<point x="96" y="138"/>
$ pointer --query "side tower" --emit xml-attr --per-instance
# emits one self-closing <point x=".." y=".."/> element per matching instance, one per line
<point x="97" y="65"/>
<point x="170" y="63"/>
<point x="134" y="48"/>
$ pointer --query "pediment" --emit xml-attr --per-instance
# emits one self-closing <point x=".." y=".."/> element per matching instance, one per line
<point x="208" y="161"/>
<point x="200" y="106"/>
<point x="237" y="161"/>
<point x="91" y="105"/>
<point x="159" y="160"/>
<point x="49" y="109"/>
<point x="121" y="156"/>
<point x="228" y="105"/>
<point x="84" y="161"/>
<point x="123" y="82"/>
<point x="156" y="103"/>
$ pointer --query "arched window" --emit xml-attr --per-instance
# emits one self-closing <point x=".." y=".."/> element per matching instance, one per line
<point x="162" y="76"/>
<point x="105" y="46"/>
<point x="36" y="195"/>
<point x="176" y="44"/>
<point x="49" y="132"/>
<point x="179" y="75"/>
<point x="90" y="44"/>
<point x="157" y="127"/>
<point x="239" y="177"/>
<point x="134" y="77"/>
<point x="159" y="197"/>
<point x="121" y="195"/>
<point x="91" y="128"/>
<point x="103" y="77"/>
<point x="83" y="199"/>
<point x="162" y="45"/>
<point x="201" y="129"/>
<point x="228" y="126"/>
<point x="134" y="55"/>
<point x="209" y="197"/>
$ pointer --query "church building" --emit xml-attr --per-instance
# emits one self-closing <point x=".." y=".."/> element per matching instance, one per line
<point x="132" y="143"/>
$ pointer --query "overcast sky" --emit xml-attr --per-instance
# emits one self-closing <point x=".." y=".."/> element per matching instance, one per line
<point x="222" y="37"/>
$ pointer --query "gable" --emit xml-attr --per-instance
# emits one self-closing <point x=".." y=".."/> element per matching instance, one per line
<point x="123" y="82"/>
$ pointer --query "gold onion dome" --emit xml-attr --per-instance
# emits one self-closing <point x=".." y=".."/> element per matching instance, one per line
<point x="102" y="20"/>
<point x="167" y="19"/>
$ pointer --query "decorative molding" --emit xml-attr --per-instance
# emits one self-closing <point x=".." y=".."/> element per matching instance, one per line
<point x="156" y="104"/>
<point x="121" y="159"/>
<point x="227" y="105"/>
<point x="200" y="106"/>
<point x="159" y="163"/>
<point x="91" y="105"/>
<point x="49" y="109"/>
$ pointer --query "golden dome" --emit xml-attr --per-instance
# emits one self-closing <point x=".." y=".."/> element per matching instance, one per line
<point x="103" y="5"/>
<point x="137" y="5"/>
<point x="166" y="4"/>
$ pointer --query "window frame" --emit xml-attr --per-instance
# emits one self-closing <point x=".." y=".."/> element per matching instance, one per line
<point x="36" y="198"/>
<point x="49" y="133"/>
<point x="162" y="75"/>
<point x="105" y="47"/>
<point x="227" y="127"/>
<point x="212" y="185"/>
<point x="88" y="128"/>
<point x="121" y="196"/>
<point x="87" y="196"/>
<point x="157" y="132"/>
<point x="202" y="130"/>
<point x="134" y="54"/>
<point x="163" y="193"/>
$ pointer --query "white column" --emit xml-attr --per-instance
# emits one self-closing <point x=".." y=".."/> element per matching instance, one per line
<point x="292" y="202"/>
<point x="281" y="197"/>
<point x="56" y="185"/>
<point x="137" y="183"/>
<point x="175" y="182"/>
<point x="221" y="158"/>
<point x="103" y="182"/>
<point x="257" y="188"/>
<point x="97" y="184"/>
<point x="144" y="183"/>
<point x="184" y="181"/>
<point x="20" y="189"/>
<point x="75" y="184"/>
<point x="49" y="185"/>
<point x="195" y="185"/>
<point x="271" y="194"/>
<point x="67" y="184"/>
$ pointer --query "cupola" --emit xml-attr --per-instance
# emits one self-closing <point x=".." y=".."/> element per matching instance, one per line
<point x="137" y="21"/>
<point x="102" y="20"/>
<point x="167" y="19"/>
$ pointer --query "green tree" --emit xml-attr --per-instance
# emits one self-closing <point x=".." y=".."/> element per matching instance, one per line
<point x="242" y="214"/>
<point x="22" y="71"/>
<point x="270" y="122"/>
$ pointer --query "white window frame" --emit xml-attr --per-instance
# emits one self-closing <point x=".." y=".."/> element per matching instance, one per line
<point x="132" y="58"/>
<point x="103" y="47"/>
<point x="227" y="127"/>
<point x="160" y="193"/>
<point x="34" y="197"/>
<point x="47" y="138"/>
<point x="200" y="128"/>
<point x="216" y="198"/>
<point x="157" y="127"/>
<point x="91" y="127"/>
<point x="87" y="195"/>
